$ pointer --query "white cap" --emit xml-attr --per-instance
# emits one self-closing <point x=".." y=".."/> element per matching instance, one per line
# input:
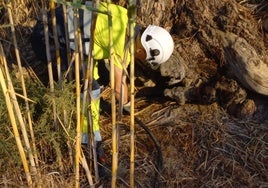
<point x="158" y="44"/>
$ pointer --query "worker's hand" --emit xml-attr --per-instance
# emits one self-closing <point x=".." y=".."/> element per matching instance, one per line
<point x="126" y="107"/>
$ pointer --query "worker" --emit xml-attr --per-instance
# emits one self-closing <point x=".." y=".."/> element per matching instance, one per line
<point x="153" y="45"/>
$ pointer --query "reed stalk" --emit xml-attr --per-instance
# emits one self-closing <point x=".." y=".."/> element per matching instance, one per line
<point x="91" y="64"/>
<point x="13" y="96"/>
<point x="56" y="41"/>
<point x="49" y="65"/>
<point x="88" y="173"/>
<point x="113" y="101"/>
<point x="68" y="49"/>
<point x="81" y="53"/>
<point x="51" y="84"/>
<point x="65" y="16"/>
<point x="58" y="61"/>
<point x="88" y="79"/>
<point x="78" y="106"/>
<point x="87" y="75"/>
<point x="132" y="18"/>
<point x="13" y="123"/>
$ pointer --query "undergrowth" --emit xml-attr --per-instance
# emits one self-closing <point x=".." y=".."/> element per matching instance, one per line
<point x="53" y="139"/>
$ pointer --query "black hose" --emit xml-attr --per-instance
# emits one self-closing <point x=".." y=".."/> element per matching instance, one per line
<point x="158" y="147"/>
<point x="159" y="164"/>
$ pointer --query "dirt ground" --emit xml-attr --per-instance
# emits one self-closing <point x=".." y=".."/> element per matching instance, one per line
<point x="197" y="146"/>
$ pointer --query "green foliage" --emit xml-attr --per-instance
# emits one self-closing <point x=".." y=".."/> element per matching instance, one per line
<point x="9" y="155"/>
<point x="50" y="139"/>
<point x="64" y="100"/>
<point x="53" y="136"/>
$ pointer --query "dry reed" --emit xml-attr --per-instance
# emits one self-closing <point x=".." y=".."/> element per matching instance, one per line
<point x="12" y="116"/>
<point x="113" y="101"/>
<point x="132" y="18"/>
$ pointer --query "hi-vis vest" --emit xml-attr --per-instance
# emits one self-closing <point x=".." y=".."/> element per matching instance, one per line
<point x="101" y="33"/>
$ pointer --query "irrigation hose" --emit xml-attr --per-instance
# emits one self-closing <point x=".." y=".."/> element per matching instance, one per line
<point x="159" y="164"/>
<point x="158" y="147"/>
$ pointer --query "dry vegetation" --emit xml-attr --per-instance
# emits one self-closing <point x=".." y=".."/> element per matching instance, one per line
<point x="201" y="144"/>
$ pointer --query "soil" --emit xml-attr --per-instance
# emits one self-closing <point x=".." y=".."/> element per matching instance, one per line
<point x="200" y="145"/>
